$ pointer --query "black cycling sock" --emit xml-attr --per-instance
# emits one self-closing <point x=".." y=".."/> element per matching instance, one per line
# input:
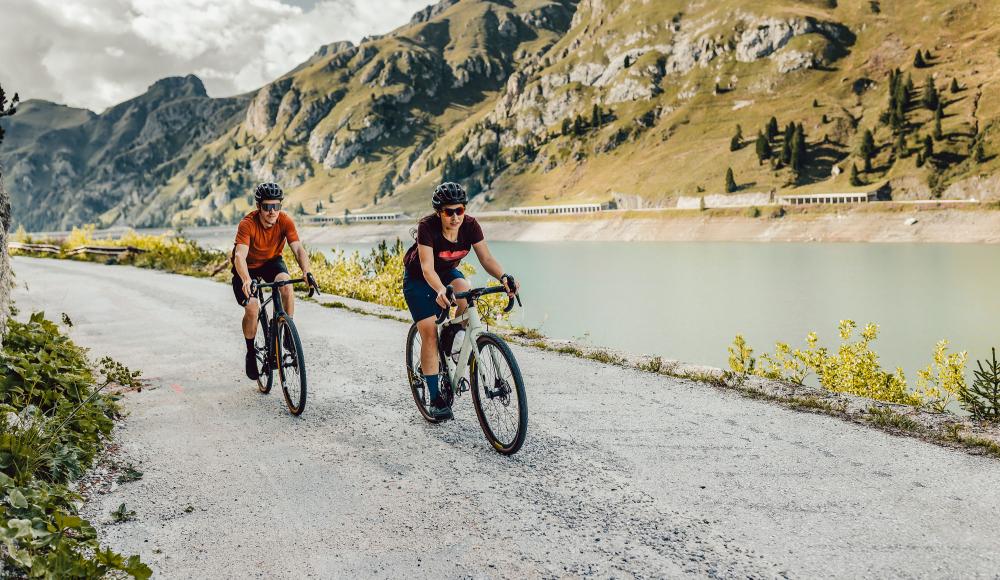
<point x="249" y="344"/>
<point x="432" y="386"/>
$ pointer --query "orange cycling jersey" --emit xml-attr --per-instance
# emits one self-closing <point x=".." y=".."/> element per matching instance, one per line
<point x="265" y="244"/>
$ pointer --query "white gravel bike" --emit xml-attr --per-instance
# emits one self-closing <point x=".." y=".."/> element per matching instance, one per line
<point x="494" y="377"/>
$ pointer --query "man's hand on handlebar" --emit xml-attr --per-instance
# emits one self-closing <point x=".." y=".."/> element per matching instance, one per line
<point x="248" y="289"/>
<point x="313" y="285"/>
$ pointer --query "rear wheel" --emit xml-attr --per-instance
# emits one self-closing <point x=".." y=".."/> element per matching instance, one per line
<point x="498" y="394"/>
<point x="415" y="375"/>
<point x="265" y="368"/>
<point x="292" y="365"/>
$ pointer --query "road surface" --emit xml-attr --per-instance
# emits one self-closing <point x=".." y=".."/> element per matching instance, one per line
<point x="623" y="474"/>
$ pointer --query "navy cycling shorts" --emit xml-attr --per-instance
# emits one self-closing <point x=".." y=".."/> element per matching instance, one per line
<point x="420" y="297"/>
<point x="268" y="271"/>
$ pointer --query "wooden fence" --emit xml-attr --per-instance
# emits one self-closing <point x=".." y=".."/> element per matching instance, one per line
<point x="113" y="251"/>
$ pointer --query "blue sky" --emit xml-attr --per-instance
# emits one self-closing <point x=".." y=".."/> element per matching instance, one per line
<point x="96" y="53"/>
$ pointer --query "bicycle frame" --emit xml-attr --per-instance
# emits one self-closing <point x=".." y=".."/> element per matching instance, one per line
<point x="279" y="310"/>
<point x="474" y="328"/>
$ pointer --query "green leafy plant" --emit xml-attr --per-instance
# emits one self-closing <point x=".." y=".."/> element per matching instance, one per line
<point x="853" y="368"/>
<point x="53" y="420"/>
<point x="944" y="379"/>
<point x="128" y="474"/>
<point x="122" y="514"/>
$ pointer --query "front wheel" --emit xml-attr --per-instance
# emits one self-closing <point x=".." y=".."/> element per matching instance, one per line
<point x="291" y="365"/>
<point x="498" y="394"/>
<point x="265" y="367"/>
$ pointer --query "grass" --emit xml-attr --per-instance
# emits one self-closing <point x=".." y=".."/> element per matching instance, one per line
<point x="888" y="419"/>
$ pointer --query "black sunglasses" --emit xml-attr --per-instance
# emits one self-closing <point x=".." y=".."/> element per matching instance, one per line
<point x="450" y="211"/>
<point x="270" y="206"/>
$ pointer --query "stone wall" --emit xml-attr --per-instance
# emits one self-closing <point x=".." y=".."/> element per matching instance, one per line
<point x="725" y="200"/>
<point x="6" y="275"/>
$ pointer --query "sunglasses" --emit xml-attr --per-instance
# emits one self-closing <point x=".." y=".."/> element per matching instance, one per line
<point x="270" y="207"/>
<point x="450" y="211"/>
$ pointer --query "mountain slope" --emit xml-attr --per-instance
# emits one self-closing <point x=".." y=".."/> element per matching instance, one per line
<point x="545" y="101"/>
<point x="107" y="166"/>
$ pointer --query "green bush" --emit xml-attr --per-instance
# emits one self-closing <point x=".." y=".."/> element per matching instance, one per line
<point x="53" y="421"/>
<point x="855" y="368"/>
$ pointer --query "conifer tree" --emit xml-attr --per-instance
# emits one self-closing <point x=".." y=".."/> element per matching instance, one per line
<point x="596" y="118"/>
<point x="938" y="113"/>
<point x="978" y="154"/>
<point x="772" y="129"/>
<point x="855" y="180"/>
<point x="798" y="157"/>
<point x="954" y="86"/>
<point x="762" y="147"/>
<point x="867" y="149"/>
<point x="918" y="60"/>
<point x="730" y="181"/>
<point x="928" y="147"/>
<point x="901" y="148"/>
<point x="930" y="99"/>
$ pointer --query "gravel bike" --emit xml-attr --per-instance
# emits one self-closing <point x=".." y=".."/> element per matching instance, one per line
<point x="278" y="346"/>
<point x="494" y="377"/>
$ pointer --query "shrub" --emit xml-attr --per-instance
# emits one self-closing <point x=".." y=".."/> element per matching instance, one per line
<point x="944" y="379"/>
<point x="53" y="420"/>
<point x="853" y="368"/>
<point x="982" y="398"/>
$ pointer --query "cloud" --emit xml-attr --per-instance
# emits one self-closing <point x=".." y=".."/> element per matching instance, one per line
<point x="96" y="53"/>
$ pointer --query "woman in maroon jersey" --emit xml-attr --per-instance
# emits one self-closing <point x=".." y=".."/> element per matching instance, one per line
<point x="431" y="265"/>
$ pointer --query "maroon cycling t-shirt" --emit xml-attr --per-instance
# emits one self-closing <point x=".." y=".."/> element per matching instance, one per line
<point x="447" y="254"/>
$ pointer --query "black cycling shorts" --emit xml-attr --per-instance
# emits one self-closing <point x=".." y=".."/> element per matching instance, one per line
<point x="269" y="271"/>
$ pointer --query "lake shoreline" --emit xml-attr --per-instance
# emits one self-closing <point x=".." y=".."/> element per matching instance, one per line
<point x="897" y="224"/>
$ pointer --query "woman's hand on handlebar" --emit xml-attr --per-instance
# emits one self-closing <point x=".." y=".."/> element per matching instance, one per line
<point x="511" y="285"/>
<point x="443" y="299"/>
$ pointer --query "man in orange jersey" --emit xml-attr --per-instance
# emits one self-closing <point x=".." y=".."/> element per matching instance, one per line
<point x="260" y="240"/>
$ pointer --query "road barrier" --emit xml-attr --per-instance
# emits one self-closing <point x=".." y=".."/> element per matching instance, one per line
<point x="115" y="251"/>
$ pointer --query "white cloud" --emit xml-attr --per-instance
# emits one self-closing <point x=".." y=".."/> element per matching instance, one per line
<point x="96" y="53"/>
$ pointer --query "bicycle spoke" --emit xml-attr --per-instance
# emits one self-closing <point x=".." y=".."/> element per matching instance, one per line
<point x="498" y="399"/>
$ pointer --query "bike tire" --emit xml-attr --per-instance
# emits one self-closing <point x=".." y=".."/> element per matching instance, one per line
<point x="498" y="398"/>
<point x="291" y="371"/>
<point x="265" y="370"/>
<point x="414" y="375"/>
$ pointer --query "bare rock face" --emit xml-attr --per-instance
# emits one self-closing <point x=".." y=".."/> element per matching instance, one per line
<point x="263" y="109"/>
<point x="431" y="11"/>
<point x="763" y="37"/>
<point x="793" y="60"/>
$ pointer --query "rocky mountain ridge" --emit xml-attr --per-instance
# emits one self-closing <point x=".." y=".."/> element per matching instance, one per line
<point x="545" y="101"/>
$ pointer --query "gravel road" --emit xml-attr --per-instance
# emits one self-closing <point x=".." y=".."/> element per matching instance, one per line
<point x="624" y="474"/>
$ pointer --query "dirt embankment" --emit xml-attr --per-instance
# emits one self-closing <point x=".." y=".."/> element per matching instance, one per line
<point x="895" y="223"/>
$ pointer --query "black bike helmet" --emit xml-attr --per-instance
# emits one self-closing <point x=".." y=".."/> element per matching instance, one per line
<point x="448" y="193"/>
<point x="268" y="192"/>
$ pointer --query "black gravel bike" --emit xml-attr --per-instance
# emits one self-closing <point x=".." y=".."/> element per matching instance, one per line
<point x="494" y="378"/>
<point x="278" y="346"/>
